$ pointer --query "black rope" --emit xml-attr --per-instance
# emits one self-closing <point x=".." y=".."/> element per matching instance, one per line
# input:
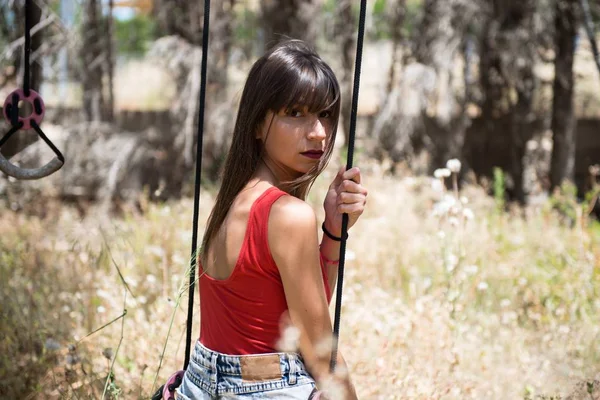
<point x="194" y="256"/>
<point x="351" y="137"/>
<point x="27" y="47"/>
<point x="42" y="135"/>
<point x="10" y="133"/>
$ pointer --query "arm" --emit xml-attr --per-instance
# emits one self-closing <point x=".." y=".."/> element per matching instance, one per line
<point x="293" y="241"/>
<point x="331" y="250"/>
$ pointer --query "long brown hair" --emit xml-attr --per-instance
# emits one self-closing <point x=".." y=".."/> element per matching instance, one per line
<point x="289" y="74"/>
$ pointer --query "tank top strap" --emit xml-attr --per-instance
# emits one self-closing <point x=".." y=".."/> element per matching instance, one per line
<point x="258" y="241"/>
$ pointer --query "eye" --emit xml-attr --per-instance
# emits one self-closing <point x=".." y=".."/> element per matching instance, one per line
<point x="325" y="114"/>
<point x="294" y="112"/>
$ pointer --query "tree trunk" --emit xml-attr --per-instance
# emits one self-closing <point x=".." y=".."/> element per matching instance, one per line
<point x="563" y="118"/>
<point x="217" y="129"/>
<point x="91" y="54"/>
<point x="181" y="18"/>
<point x="344" y="32"/>
<point x="290" y="18"/>
<point x="508" y="54"/>
<point x="440" y="41"/>
<point x="35" y="15"/>
<point x="396" y="12"/>
<point x="110" y="63"/>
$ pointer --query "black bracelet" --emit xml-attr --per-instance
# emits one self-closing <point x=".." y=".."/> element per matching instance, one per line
<point x="331" y="236"/>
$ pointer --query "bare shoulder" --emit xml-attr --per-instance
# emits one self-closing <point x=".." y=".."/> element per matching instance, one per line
<point x="293" y="242"/>
<point x="291" y="216"/>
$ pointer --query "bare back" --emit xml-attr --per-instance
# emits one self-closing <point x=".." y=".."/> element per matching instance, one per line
<point x="224" y="250"/>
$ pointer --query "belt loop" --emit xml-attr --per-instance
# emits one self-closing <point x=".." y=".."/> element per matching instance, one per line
<point x="293" y="374"/>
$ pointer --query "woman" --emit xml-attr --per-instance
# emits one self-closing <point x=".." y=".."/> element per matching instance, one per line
<point x="261" y="261"/>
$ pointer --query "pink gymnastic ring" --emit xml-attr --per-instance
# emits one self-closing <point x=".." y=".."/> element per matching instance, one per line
<point x="172" y="384"/>
<point x="38" y="108"/>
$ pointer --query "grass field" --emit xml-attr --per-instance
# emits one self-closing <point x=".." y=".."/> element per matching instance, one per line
<point x="448" y="295"/>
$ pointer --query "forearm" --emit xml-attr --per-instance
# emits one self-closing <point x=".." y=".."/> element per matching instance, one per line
<point x="331" y="251"/>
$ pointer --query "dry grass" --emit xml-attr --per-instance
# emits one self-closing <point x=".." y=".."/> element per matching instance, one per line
<point x="437" y="306"/>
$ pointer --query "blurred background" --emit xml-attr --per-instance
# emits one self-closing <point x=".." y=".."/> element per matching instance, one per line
<point x="476" y="265"/>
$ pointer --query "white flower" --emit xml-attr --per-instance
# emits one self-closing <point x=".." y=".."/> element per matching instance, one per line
<point x="452" y="259"/>
<point x="564" y="329"/>
<point x="442" y="173"/>
<point x="464" y="200"/>
<point x="332" y="388"/>
<point x="437" y="186"/>
<point x="471" y="269"/>
<point x="451" y="262"/>
<point x="443" y="206"/>
<point x="101" y="309"/>
<point x="453" y="165"/>
<point x="427" y="283"/>
<point x="453" y="221"/>
<point x="504" y="303"/>
<point x="468" y="214"/>
<point x="290" y="339"/>
<point x="482" y="286"/>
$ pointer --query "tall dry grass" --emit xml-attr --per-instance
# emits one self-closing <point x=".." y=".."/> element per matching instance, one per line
<point x="446" y="296"/>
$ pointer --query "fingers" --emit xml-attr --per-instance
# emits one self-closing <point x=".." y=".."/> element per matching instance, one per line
<point x="349" y="186"/>
<point x="350" y="198"/>
<point x="339" y="176"/>
<point x="352" y="209"/>
<point x="352" y="174"/>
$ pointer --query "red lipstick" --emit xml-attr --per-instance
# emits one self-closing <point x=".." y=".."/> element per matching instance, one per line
<point x="314" y="154"/>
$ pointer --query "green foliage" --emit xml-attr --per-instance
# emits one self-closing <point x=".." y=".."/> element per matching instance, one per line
<point x="412" y="18"/>
<point x="380" y="19"/>
<point x="30" y="326"/>
<point x="499" y="188"/>
<point x="245" y="28"/>
<point x="564" y="200"/>
<point x="132" y="36"/>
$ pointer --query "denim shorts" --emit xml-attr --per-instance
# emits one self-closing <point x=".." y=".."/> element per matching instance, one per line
<point x="213" y="375"/>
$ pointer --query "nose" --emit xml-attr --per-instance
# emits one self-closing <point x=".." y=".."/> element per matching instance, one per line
<point x="318" y="131"/>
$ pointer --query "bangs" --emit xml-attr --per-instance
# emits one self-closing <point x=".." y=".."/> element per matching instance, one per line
<point x="309" y="87"/>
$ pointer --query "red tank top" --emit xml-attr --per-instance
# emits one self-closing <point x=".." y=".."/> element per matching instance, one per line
<point x="241" y="314"/>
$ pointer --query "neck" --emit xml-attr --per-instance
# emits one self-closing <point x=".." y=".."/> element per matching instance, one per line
<point x="273" y="173"/>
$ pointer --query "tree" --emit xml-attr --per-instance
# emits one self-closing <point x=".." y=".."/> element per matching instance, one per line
<point x="507" y="57"/>
<point x="293" y="18"/>
<point x="92" y="53"/>
<point x="563" y="118"/>
<point x="396" y="12"/>
<point x="181" y="18"/>
<point x="344" y="33"/>
<point x="439" y="42"/>
<point x="184" y="23"/>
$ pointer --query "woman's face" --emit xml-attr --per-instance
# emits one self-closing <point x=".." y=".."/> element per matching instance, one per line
<point x="295" y="140"/>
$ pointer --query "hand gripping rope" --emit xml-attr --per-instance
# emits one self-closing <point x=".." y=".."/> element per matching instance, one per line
<point x="167" y="391"/>
<point x="33" y="120"/>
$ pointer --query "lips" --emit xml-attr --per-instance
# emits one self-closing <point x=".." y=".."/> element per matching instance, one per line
<point x="315" y="154"/>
